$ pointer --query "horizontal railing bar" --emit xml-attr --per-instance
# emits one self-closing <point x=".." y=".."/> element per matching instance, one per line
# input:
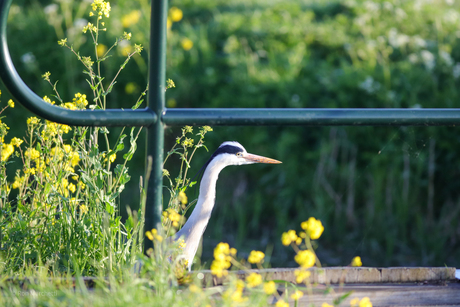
<point x="25" y="96"/>
<point x="312" y="117"/>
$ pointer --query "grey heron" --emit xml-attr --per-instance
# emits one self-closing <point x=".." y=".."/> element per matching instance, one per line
<point x="228" y="153"/>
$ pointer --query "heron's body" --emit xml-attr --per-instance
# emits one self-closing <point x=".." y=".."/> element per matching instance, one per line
<point x="229" y="153"/>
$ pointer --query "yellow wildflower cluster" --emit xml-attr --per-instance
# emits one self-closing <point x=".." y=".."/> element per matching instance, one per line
<point x="182" y="197"/>
<point x="222" y="259"/>
<point x="175" y="14"/>
<point x="66" y="154"/>
<point x="305" y="258"/>
<point x="46" y="98"/>
<point x="237" y="295"/>
<point x="51" y="129"/>
<point x="59" y="157"/>
<point x="364" y="302"/>
<point x="32" y="121"/>
<point x="281" y="303"/>
<point x="270" y="287"/>
<point x="356" y="261"/>
<point x="111" y="158"/>
<point x="254" y="280"/>
<point x="301" y="275"/>
<point x="175" y="218"/>
<point x="289" y="237"/>
<point x="102" y="7"/>
<point x="89" y="27"/>
<point x="256" y="257"/>
<point x="80" y="101"/>
<point x="83" y="209"/>
<point x="153" y="235"/>
<point x="131" y="18"/>
<point x="297" y="295"/>
<point x="186" y="44"/>
<point x="313" y="227"/>
<point x="7" y="151"/>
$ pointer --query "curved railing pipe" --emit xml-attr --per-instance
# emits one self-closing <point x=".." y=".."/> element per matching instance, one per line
<point x="25" y="96"/>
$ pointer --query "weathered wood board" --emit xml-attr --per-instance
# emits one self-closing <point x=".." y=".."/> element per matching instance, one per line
<point x="347" y="275"/>
<point x="400" y="286"/>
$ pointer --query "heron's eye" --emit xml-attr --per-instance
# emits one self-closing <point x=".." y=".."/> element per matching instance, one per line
<point x="238" y="154"/>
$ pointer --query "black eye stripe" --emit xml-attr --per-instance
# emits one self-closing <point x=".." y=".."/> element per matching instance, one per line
<point x="227" y="149"/>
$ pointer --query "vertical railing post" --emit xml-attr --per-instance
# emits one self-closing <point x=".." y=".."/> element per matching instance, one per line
<point x="156" y="102"/>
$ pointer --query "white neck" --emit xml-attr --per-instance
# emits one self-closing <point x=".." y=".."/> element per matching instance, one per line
<point x="196" y="224"/>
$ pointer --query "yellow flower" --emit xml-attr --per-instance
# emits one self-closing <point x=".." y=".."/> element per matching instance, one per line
<point x="48" y="100"/>
<point x="127" y="35"/>
<point x="32" y="153"/>
<point x="102" y="7"/>
<point x="7" y="151"/>
<point x="270" y="287"/>
<point x="182" y="244"/>
<point x="69" y="105"/>
<point x="365" y="302"/>
<point x="80" y="99"/>
<point x="100" y="50"/>
<point x="296" y="295"/>
<point x="82" y="185"/>
<point x="356" y="261"/>
<point x="18" y="181"/>
<point x="149" y="235"/>
<point x="326" y="305"/>
<point x="354" y="302"/>
<point x="301" y="275"/>
<point x="254" y="280"/>
<point x="74" y="158"/>
<point x="256" y="257"/>
<point x="186" y="44"/>
<point x="124" y="48"/>
<point x="32" y="121"/>
<point x="83" y="209"/>
<point x="281" y="303"/>
<point x="222" y="259"/>
<point x="194" y="288"/>
<point x="175" y="14"/>
<point x="288" y="237"/>
<point x="237" y="296"/>
<point x="63" y="42"/>
<point x="11" y="103"/>
<point x="72" y="188"/>
<point x="183" y="198"/>
<point x="130" y="87"/>
<point x="112" y="157"/>
<point x="153" y="235"/>
<point x="305" y="258"/>
<point x="89" y="27"/>
<point x="130" y="19"/>
<point x="174" y="217"/>
<point x="313" y="227"/>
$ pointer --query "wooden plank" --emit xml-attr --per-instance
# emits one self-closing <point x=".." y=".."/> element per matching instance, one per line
<point x="416" y="294"/>
<point x="348" y="275"/>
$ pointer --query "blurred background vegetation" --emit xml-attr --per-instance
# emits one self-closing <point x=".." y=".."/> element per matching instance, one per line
<point x="390" y="195"/>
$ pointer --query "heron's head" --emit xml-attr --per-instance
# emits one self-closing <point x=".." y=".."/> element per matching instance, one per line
<point x="233" y="153"/>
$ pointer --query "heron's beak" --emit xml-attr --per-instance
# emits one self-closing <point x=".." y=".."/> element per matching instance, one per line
<point x="260" y="159"/>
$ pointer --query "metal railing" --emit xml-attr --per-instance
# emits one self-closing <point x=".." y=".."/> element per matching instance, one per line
<point x="155" y="115"/>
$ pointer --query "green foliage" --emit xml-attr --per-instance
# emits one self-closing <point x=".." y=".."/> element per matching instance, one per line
<point x="392" y="191"/>
<point x="389" y="194"/>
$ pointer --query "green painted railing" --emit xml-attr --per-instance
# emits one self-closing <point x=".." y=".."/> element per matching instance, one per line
<point x="156" y="116"/>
